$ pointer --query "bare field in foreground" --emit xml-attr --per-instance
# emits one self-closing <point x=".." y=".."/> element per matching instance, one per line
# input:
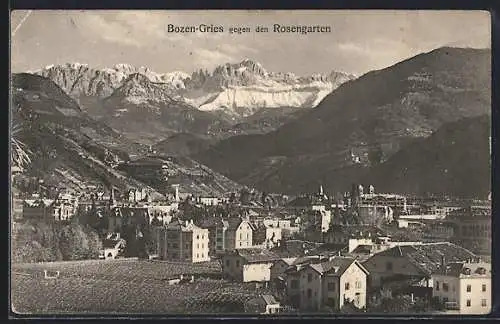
<point x="124" y="286"/>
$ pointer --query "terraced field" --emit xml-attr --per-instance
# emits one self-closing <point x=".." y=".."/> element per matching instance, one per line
<point x="125" y="286"/>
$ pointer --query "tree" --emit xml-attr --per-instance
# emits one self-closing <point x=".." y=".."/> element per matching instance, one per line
<point x="20" y="153"/>
<point x="393" y="305"/>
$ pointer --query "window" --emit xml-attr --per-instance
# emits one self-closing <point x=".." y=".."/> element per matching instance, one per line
<point x="483" y="302"/>
<point x="187" y="246"/>
<point x="388" y="266"/>
<point x="247" y="236"/>
<point x="197" y="237"/>
<point x="309" y="293"/>
<point x="237" y="263"/>
<point x="295" y="284"/>
<point x="331" y="286"/>
<point x="468" y="302"/>
<point x="346" y="286"/>
<point x="202" y="245"/>
<point x="309" y="277"/>
<point x="203" y="255"/>
<point x="240" y="243"/>
<point x="227" y="263"/>
<point x="469" y="288"/>
<point x="197" y="255"/>
<point x="437" y="285"/>
<point x="484" y="288"/>
<point x="445" y="286"/>
<point x="197" y="245"/>
<point x="241" y="236"/>
<point x="358" y="284"/>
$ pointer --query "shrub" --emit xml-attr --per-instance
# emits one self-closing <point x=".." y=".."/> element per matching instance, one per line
<point x="43" y="242"/>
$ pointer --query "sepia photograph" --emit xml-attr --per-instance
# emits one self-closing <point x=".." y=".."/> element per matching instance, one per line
<point x="250" y="162"/>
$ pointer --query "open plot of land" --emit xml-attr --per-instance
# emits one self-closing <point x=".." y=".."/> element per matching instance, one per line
<point x="124" y="286"/>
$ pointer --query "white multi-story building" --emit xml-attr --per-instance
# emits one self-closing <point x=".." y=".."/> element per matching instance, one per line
<point x="464" y="286"/>
<point x="186" y="242"/>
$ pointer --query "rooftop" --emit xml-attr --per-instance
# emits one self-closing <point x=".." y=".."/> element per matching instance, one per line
<point x="466" y="269"/>
<point x="269" y="299"/>
<point x="428" y="256"/>
<point x="110" y="243"/>
<point x="256" y="255"/>
<point x="294" y="248"/>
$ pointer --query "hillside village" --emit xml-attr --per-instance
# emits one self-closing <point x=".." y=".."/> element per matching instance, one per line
<point x="356" y="252"/>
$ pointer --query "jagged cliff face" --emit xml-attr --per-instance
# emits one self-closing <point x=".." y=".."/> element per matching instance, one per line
<point x="239" y="90"/>
<point x="242" y="89"/>
<point x="80" y="80"/>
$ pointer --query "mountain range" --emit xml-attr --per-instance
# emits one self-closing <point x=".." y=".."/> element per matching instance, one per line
<point x="361" y="124"/>
<point x="134" y="99"/>
<point x="418" y="127"/>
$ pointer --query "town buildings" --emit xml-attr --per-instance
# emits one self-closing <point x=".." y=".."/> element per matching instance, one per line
<point x="239" y="234"/>
<point x="248" y="265"/>
<point x="464" y="286"/>
<point x="217" y="228"/>
<point x="331" y="283"/>
<point x="473" y="228"/>
<point x="418" y="261"/>
<point x="63" y="208"/>
<point x="263" y="304"/>
<point x="112" y="246"/>
<point x="186" y="242"/>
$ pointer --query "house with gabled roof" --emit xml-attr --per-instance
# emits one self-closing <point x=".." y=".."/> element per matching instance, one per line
<point x="263" y="304"/>
<point x="311" y="286"/>
<point x="249" y="264"/>
<point x="239" y="234"/>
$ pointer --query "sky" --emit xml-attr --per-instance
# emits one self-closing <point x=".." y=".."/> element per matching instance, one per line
<point x="360" y="41"/>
